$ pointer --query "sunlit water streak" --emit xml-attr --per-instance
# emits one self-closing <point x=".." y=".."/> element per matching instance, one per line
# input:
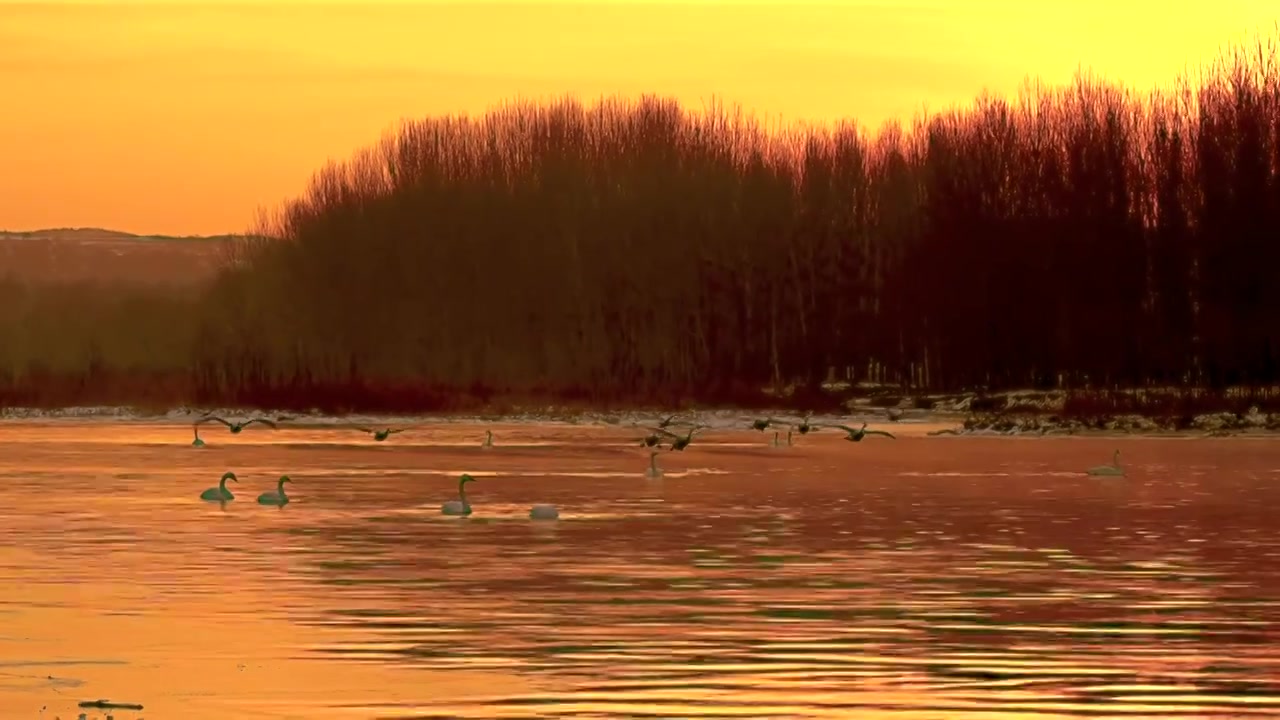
<point x="904" y="579"/>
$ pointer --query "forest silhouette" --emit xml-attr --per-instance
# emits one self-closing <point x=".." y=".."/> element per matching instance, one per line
<point x="633" y="252"/>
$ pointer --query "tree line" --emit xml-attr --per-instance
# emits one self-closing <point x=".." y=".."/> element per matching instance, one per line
<point x="1077" y="236"/>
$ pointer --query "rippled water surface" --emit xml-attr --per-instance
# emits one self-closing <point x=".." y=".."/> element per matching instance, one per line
<point x="909" y="578"/>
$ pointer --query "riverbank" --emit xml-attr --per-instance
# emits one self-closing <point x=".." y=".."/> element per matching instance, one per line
<point x="1222" y="424"/>
<point x="1023" y="414"/>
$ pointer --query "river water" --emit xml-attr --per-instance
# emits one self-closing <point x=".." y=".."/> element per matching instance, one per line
<point x="912" y="578"/>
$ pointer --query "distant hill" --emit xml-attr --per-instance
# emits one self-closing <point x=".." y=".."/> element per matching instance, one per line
<point x="97" y="255"/>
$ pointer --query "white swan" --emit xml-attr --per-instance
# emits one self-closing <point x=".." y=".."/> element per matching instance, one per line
<point x="544" y="512"/>
<point x="1113" y="470"/>
<point x="653" y="471"/>
<point x="459" y="506"/>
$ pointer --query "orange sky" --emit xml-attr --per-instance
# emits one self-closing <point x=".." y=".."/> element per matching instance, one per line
<point x="180" y="117"/>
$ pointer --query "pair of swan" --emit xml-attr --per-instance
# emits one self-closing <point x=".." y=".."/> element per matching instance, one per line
<point x="462" y="508"/>
<point x="804" y="427"/>
<point x="222" y="494"/>
<point x="678" y="442"/>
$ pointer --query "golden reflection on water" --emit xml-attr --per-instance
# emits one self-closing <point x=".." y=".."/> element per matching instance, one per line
<point x="917" y="578"/>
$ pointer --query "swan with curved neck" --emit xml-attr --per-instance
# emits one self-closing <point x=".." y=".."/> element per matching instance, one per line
<point x="459" y="506"/>
<point x="278" y="497"/>
<point x="220" y="493"/>
<point x="488" y="439"/>
<point x="1112" y="470"/>
<point x="653" y="471"/>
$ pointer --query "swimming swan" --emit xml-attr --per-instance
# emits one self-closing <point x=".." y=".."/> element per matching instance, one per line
<point x="220" y="493"/>
<point x="459" y="506"/>
<point x="278" y="497"/>
<point x="653" y="471"/>
<point x="1112" y="470"/>
<point x="544" y="512"/>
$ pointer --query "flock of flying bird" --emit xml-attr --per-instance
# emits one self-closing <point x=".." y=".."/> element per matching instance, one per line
<point x="662" y="434"/>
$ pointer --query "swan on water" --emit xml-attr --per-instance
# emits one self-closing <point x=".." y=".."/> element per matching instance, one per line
<point x="653" y="471"/>
<point x="1113" y="470"/>
<point x="236" y="427"/>
<point x="278" y="497"/>
<point x="544" y="512"/>
<point x="459" y="506"/>
<point x="220" y="493"/>
<point x="857" y="435"/>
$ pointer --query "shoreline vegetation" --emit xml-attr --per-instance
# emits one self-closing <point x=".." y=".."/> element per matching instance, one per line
<point x="631" y="254"/>
<point x="1147" y="412"/>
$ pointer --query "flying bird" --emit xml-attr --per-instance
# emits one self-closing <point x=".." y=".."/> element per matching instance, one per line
<point x="236" y="427"/>
<point x="679" y="442"/>
<point x="858" y="434"/>
<point x="380" y="435"/>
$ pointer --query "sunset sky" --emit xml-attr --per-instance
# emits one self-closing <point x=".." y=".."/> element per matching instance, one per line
<point x="184" y="118"/>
